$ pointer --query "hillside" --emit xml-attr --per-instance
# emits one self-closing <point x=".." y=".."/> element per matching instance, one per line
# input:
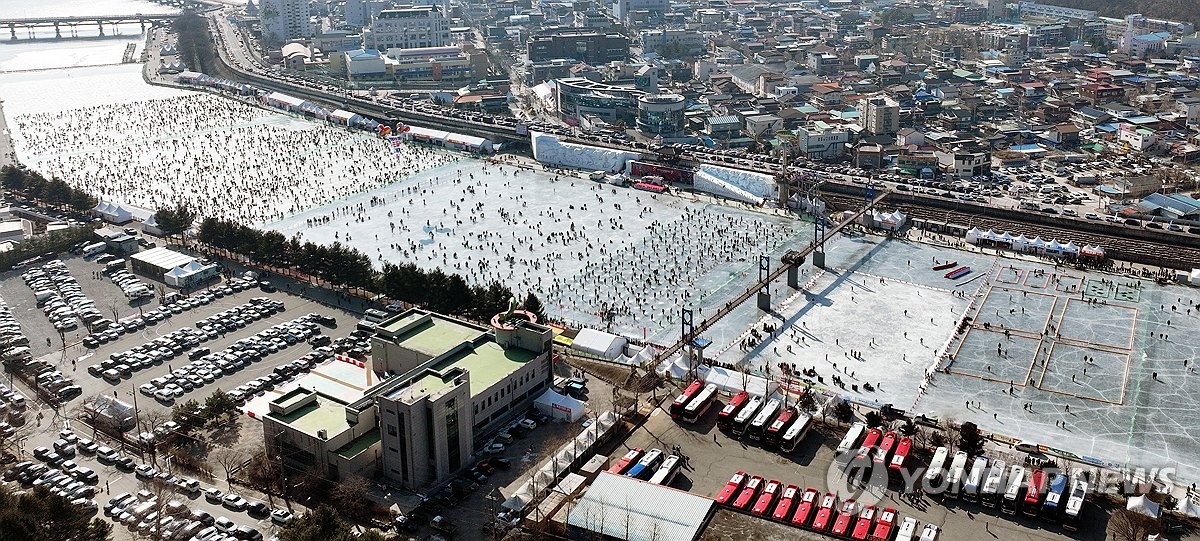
<point x="1178" y="10"/>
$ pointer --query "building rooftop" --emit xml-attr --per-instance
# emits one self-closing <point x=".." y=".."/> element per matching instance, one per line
<point x="488" y="363"/>
<point x="321" y="414"/>
<point x="626" y="508"/>
<point x="163" y="258"/>
<point x="360" y="444"/>
<point x="434" y="337"/>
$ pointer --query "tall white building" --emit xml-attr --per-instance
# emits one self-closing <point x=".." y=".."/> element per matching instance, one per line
<point x="880" y="115"/>
<point x="408" y="28"/>
<point x="283" y="20"/>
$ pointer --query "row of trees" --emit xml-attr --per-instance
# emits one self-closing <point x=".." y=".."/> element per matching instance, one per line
<point x="174" y="221"/>
<point x="195" y="42"/>
<point x="53" y="242"/>
<point x="53" y="191"/>
<point x="343" y="265"/>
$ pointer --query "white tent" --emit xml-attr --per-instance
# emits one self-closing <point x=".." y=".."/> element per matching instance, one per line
<point x="1194" y="278"/>
<point x="973" y="235"/>
<point x="1188" y="508"/>
<point x="731" y="382"/>
<point x="640" y="358"/>
<point x="599" y="343"/>
<point x="113" y="213"/>
<point x="150" y="225"/>
<point x="559" y="406"/>
<point x="1071" y="248"/>
<point x="1143" y="505"/>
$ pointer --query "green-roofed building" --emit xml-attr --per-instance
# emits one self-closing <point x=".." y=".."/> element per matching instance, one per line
<point x="442" y="382"/>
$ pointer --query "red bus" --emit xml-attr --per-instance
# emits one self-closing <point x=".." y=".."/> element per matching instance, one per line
<point x="841" y="526"/>
<point x="808" y="502"/>
<point x="731" y="488"/>
<point x="700" y="404"/>
<point x="1033" y="494"/>
<point x="900" y="456"/>
<point x="779" y="426"/>
<point x="863" y="526"/>
<point x="868" y="445"/>
<point x="748" y="492"/>
<point x="884" y="526"/>
<point x="883" y="453"/>
<point x="766" y="498"/>
<point x="731" y="409"/>
<point x="824" y="516"/>
<point x="784" y="507"/>
<point x="626" y="461"/>
<point x="686" y="396"/>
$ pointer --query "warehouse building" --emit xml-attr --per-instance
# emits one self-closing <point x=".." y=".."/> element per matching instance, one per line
<point x="156" y="262"/>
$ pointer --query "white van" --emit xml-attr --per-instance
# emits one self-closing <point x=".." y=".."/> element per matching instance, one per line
<point x="908" y="530"/>
<point x="93" y="249"/>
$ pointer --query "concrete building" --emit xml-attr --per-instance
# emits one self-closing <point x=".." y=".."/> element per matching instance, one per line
<point x="443" y="382"/>
<point x="577" y="97"/>
<point x="623" y="9"/>
<point x="820" y="140"/>
<point x="880" y="115"/>
<point x="686" y="42"/>
<point x="408" y="28"/>
<point x="661" y="115"/>
<point x="283" y="20"/>
<point x="1034" y="9"/>
<point x="584" y="46"/>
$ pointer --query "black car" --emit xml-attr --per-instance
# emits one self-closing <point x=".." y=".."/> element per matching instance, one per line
<point x="258" y="509"/>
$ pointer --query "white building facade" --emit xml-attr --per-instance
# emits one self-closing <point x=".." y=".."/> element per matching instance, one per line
<point x="408" y="28"/>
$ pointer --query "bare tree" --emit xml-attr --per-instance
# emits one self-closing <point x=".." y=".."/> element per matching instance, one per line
<point x="229" y="460"/>
<point x="1132" y="526"/>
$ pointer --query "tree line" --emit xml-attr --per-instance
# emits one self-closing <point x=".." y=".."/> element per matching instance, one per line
<point x="344" y="265"/>
<point x="51" y="192"/>
<point x="195" y="43"/>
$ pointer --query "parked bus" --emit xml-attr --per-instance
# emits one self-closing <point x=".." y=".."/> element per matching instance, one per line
<point x="666" y="473"/>
<point x="824" y="517"/>
<point x="956" y="473"/>
<point x="1033" y="493"/>
<point x="748" y="492"/>
<point x="862" y="526"/>
<point x="731" y="409"/>
<point x="766" y="498"/>
<point x="746" y="415"/>
<point x="783" y="509"/>
<point x="841" y="526"/>
<point x="93" y="249"/>
<point x="758" y="426"/>
<point x="883" y="454"/>
<point x="780" y="426"/>
<point x="629" y="460"/>
<point x="646" y="466"/>
<point x="1054" y="497"/>
<point x="908" y="529"/>
<point x="989" y="495"/>
<point x="863" y="458"/>
<point x="686" y="396"/>
<point x="808" y="504"/>
<point x="885" y="524"/>
<point x="970" y="490"/>
<point x="937" y="469"/>
<point x="1075" y="505"/>
<point x="900" y="457"/>
<point x="700" y="404"/>
<point x="1012" y="495"/>
<point x="849" y="443"/>
<point x="796" y="432"/>
<point x="731" y="488"/>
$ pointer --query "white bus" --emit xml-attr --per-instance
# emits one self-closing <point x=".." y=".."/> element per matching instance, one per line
<point x="1012" y="495"/>
<point x="970" y="491"/>
<point x="796" y="432"/>
<point x="93" y="249"/>
<point x="759" y="425"/>
<point x="937" y="468"/>
<point x="743" y="417"/>
<point x="849" y="442"/>
<point x="1075" y="504"/>
<point x="666" y="473"/>
<point x="989" y="496"/>
<point x="957" y="471"/>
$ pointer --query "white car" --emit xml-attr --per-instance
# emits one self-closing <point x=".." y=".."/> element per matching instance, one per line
<point x="494" y="449"/>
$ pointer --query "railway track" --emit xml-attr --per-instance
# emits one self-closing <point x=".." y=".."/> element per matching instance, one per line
<point x="1116" y="247"/>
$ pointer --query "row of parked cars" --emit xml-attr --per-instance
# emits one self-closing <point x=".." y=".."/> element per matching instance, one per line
<point x="60" y="296"/>
<point x="14" y="344"/>
<point x="144" y="513"/>
<point x="173" y="304"/>
<point x="132" y="286"/>
<point x="209" y="367"/>
<point x="171" y="345"/>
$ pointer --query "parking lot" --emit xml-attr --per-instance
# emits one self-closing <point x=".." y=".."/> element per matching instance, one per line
<point x="278" y="348"/>
<point x="713" y="457"/>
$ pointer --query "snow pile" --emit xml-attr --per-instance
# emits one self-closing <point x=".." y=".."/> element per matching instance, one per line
<point x="549" y="150"/>
<point x="744" y="186"/>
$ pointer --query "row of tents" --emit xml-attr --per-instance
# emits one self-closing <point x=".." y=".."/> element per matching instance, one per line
<point x="280" y="100"/>
<point x="1036" y="245"/>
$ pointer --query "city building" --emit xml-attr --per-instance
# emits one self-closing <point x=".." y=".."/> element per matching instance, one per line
<point x="677" y="40"/>
<point x="880" y="115"/>
<point x="622" y="10"/>
<point x="430" y="63"/>
<point x="661" y="115"/>
<point x="408" y="28"/>
<point x="432" y="385"/>
<point x="577" y="97"/>
<point x="283" y="20"/>
<point x="1034" y="9"/>
<point x="819" y="140"/>
<point x="583" y="46"/>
